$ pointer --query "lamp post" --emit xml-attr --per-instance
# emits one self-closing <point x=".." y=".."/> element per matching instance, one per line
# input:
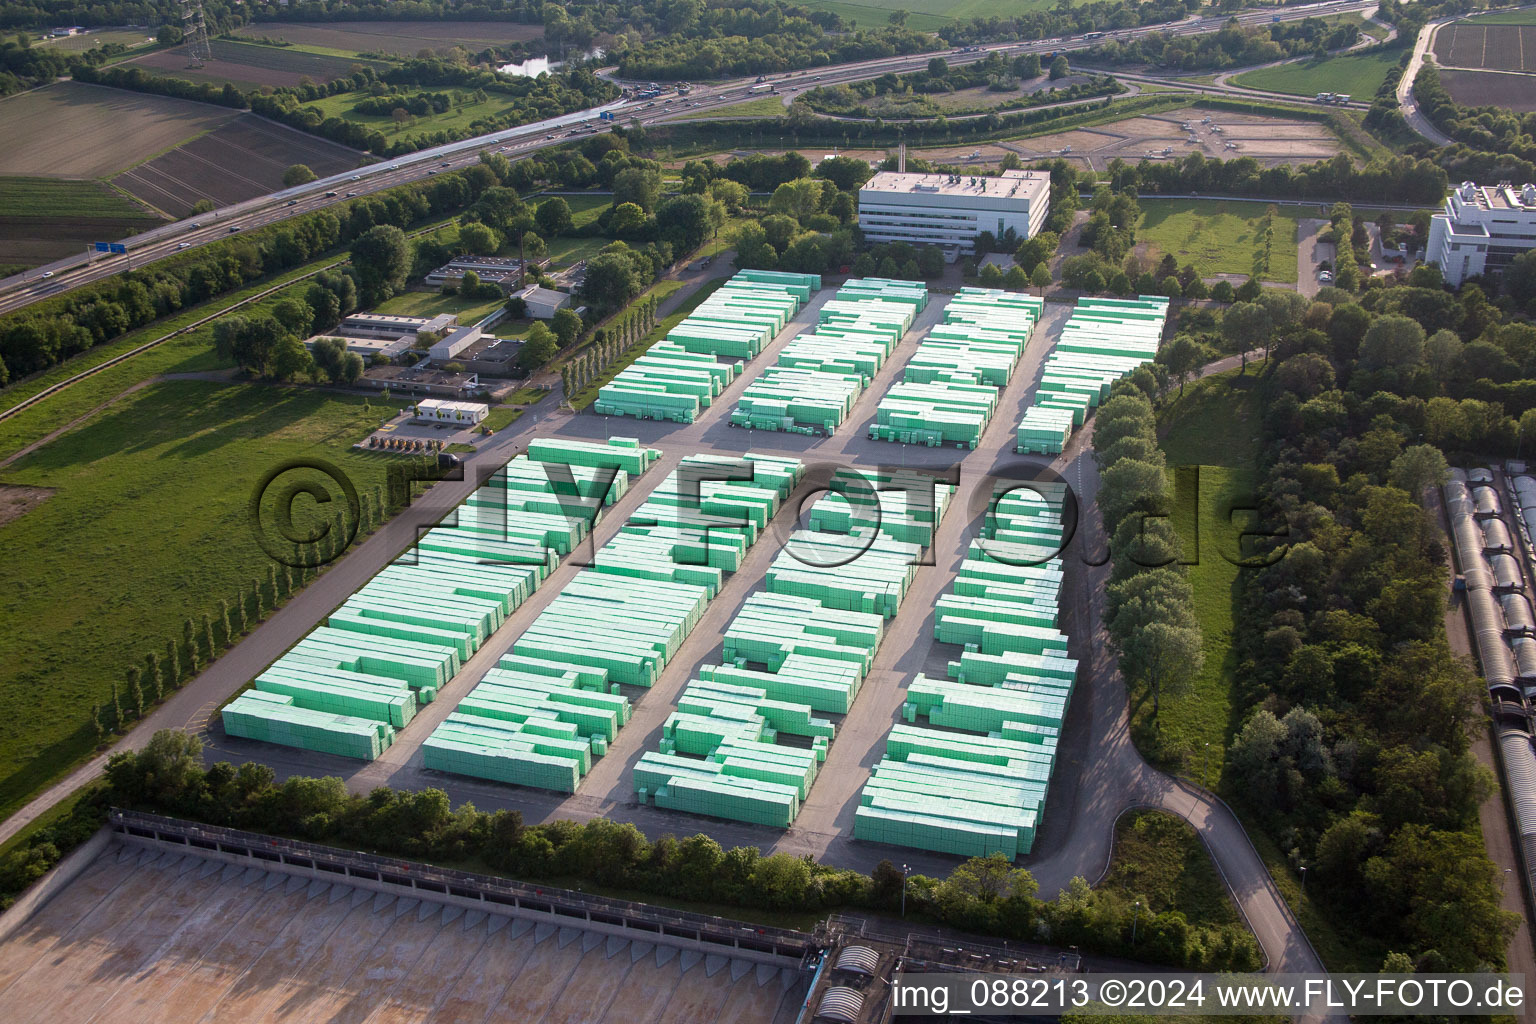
<point x="1303" y="879"/>
<point x="904" y="872"/>
<point x="1205" y="763"/>
<point x="1135" y="919"/>
<point x="1507" y="873"/>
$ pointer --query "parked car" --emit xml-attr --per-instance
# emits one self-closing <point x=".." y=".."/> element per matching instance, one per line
<point x="1325" y="276"/>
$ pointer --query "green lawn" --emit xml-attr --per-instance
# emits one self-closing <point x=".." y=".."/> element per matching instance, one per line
<point x="430" y="304"/>
<point x="454" y="119"/>
<point x="1160" y="860"/>
<point x="59" y="197"/>
<point x="1359" y="75"/>
<point x="146" y="525"/>
<point x="762" y="106"/>
<point x="1217" y="237"/>
<point x="587" y="395"/>
<point x="1213" y="427"/>
<point x="929" y="15"/>
<point x="501" y="416"/>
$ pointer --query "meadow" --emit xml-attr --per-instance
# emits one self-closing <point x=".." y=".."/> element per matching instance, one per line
<point x="1217" y="238"/>
<point x="1357" y="75"/>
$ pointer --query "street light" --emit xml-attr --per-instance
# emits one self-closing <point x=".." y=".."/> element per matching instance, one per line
<point x="1303" y="879"/>
<point x="904" y="872"/>
<point x="1135" y="917"/>
<point x="1507" y="872"/>
<point x="1205" y="762"/>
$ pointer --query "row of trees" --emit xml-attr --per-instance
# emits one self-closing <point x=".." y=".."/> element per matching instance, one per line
<point x="609" y="345"/>
<point x="906" y="95"/>
<point x="1234" y="46"/>
<point x="983" y="894"/>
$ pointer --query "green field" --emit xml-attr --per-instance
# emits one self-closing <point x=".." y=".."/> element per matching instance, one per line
<point x="1218" y="238"/>
<point x="1525" y="17"/>
<point x="1203" y="713"/>
<point x="1160" y="860"/>
<point x="1358" y="75"/>
<point x="59" y="197"/>
<point x="874" y="16"/>
<point x="145" y="525"/>
<point x="926" y="15"/>
<point x="762" y="106"/>
<point x="95" y="38"/>
<point x="430" y="304"/>
<point x="456" y="118"/>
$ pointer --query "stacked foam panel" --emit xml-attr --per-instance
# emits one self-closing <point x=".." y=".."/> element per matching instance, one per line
<point x="787" y="656"/>
<point x="950" y="387"/>
<point x="404" y="634"/>
<point x="973" y="780"/>
<point x="620" y="621"/>
<point x="818" y="377"/>
<point x="678" y="377"/>
<point x="1104" y="340"/>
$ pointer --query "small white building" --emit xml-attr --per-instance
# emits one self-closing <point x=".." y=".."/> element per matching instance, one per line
<point x="435" y="410"/>
<point x="1482" y="230"/>
<point x="950" y="210"/>
<point x="454" y="343"/>
<point x="385" y="326"/>
<point x="544" y="302"/>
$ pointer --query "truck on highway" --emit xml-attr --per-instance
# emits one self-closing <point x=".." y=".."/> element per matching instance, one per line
<point x="764" y="89"/>
<point x="606" y="115"/>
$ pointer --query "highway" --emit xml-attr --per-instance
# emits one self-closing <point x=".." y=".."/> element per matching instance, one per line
<point x="74" y="271"/>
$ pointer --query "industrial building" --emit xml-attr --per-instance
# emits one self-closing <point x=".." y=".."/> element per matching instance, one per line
<point x="501" y="270"/>
<point x="384" y="326"/>
<point x="950" y="210"/>
<point x="453" y="343"/>
<point x="417" y="380"/>
<point x="433" y="410"/>
<point x="543" y="303"/>
<point x="1482" y="230"/>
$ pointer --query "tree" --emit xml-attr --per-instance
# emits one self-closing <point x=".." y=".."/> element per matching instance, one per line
<point x="1016" y="280"/>
<point x="553" y="217"/>
<point x="1247" y="325"/>
<point x="897" y="18"/>
<point x="204" y="206"/>
<point x="1391" y="341"/>
<point x="1519" y="280"/>
<point x="135" y="692"/>
<point x="298" y="174"/>
<point x="469" y="284"/>
<point x="991" y="275"/>
<point x="846" y="172"/>
<point x="938" y="67"/>
<point x="627" y="219"/>
<point x="478" y="239"/>
<point x="1163" y="656"/>
<point x="153" y="677"/>
<point x="611" y="279"/>
<point x="539" y="347"/>
<point x="1060" y="68"/>
<point x="533" y="248"/>
<point x="1040" y="277"/>
<point x="168" y="35"/>
<point x="1419" y="467"/>
<point x="1182" y="356"/>
<point x="1222" y="291"/>
<point x="638" y="185"/>
<point x="289" y="359"/>
<point x="566" y="325"/>
<point x="381" y="258"/>
<point x="688" y="221"/>
<point x="173" y="676"/>
<point x="732" y="195"/>
<point x="329" y="354"/>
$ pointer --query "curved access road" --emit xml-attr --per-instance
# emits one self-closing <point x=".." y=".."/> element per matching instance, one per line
<point x="1405" y="100"/>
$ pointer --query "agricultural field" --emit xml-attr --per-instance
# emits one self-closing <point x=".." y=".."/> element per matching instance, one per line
<point x="183" y="454"/>
<point x="1218" y="238"/>
<point x="1525" y="17"/>
<point x="1497" y="47"/>
<point x="1491" y="88"/>
<point x="44" y="219"/>
<point x="241" y="159"/>
<point x="405" y="38"/>
<point x="250" y="65"/>
<point x="97" y="37"/>
<point x="1357" y="75"/>
<point x="73" y="130"/>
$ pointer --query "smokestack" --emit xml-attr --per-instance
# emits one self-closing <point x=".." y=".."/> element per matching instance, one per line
<point x="901" y="158"/>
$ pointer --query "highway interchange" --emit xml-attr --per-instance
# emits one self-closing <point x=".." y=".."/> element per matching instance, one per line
<point x="74" y="271"/>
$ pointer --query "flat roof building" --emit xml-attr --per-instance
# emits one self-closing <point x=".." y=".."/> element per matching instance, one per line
<point x="437" y="410"/>
<point x="950" y="210"/>
<point x="454" y="343"/>
<point x="1482" y="229"/>
<point x="367" y="348"/>
<point x="383" y="325"/>
<point x="416" y="381"/>
<point x="502" y="270"/>
<point x="543" y="303"/>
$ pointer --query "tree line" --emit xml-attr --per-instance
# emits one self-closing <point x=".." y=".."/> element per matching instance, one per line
<point x="986" y="895"/>
<point x="1233" y="46"/>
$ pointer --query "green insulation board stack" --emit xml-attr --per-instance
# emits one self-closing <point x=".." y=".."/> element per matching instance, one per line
<point x="624" y="618"/>
<point x="398" y="640"/>
<point x="951" y="385"/>
<point x="817" y="378"/>
<point x="521" y="753"/>
<point x="276" y="718"/>
<point x="677" y="377"/>
<point x="904" y="505"/>
<point x="804" y="645"/>
<point x="1103" y="341"/>
<point x="973" y="780"/>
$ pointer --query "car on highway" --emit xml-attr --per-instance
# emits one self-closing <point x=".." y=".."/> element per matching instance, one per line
<point x="331" y="195"/>
<point x="196" y="224"/>
<point x="357" y="177"/>
<point x="233" y="228"/>
<point x="351" y="194"/>
<point x="293" y="202"/>
<point x="183" y="245"/>
<point x="47" y="274"/>
<point x="445" y="163"/>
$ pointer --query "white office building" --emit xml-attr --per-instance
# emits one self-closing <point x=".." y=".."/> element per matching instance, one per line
<point x="1482" y="230"/>
<point x="950" y="210"/>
